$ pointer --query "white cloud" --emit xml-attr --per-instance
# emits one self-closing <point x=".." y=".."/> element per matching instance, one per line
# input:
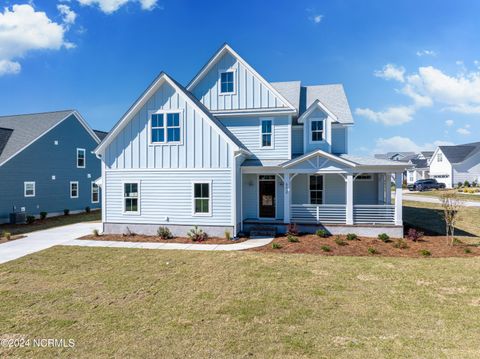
<point x="391" y="116"/>
<point x="464" y="131"/>
<point x="317" y="19"/>
<point x="22" y="29"/>
<point x="449" y="123"/>
<point x="426" y="53"/>
<point x="391" y="72"/>
<point x="399" y="143"/>
<point x="110" y="6"/>
<point x="69" y="16"/>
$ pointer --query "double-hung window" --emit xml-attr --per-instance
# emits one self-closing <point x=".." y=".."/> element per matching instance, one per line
<point x="316" y="129"/>
<point x="267" y="133"/>
<point x="165" y="127"/>
<point x="439" y="157"/>
<point x="316" y="189"/>
<point x="227" y="82"/>
<point x="95" y="193"/>
<point x="202" y="198"/>
<point x="29" y="189"/>
<point x="81" y="160"/>
<point x="131" y="197"/>
<point x="73" y="189"/>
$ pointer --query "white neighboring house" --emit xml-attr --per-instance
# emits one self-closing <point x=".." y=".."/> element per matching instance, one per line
<point x="419" y="170"/>
<point x="234" y="152"/>
<point x="454" y="164"/>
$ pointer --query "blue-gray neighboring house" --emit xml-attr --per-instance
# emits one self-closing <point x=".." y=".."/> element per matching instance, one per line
<point x="47" y="164"/>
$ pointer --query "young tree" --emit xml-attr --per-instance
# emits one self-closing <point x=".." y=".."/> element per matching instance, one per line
<point x="451" y="204"/>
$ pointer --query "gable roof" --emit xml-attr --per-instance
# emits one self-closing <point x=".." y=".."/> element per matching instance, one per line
<point x="406" y="156"/>
<point x="27" y="128"/>
<point x="331" y="96"/>
<point x="459" y="153"/>
<point x="427" y="154"/>
<point x="100" y="134"/>
<point x="218" y="55"/>
<point x="317" y="104"/>
<point x="419" y="163"/>
<point x="137" y="105"/>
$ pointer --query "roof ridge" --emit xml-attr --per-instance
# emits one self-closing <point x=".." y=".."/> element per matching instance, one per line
<point x="37" y="113"/>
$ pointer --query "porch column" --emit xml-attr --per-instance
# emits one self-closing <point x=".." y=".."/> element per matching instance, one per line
<point x="349" y="201"/>
<point x="388" y="189"/>
<point x="398" y="199"/>
<point x="286" y="197"/>
<point x="381" y="188"/>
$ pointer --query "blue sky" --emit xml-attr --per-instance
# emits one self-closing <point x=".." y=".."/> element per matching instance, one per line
<point x="411" y="69"/>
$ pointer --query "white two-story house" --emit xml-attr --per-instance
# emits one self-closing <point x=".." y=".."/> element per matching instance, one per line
<point x="232" y="151"/>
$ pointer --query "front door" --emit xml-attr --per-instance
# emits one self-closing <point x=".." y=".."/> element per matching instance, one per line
<point x="266" y="185"/>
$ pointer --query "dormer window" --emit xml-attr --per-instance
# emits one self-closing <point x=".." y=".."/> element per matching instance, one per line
<point x="227" y="82"/>
<point x="165" y="128"/>
<point x="316" y="129"/>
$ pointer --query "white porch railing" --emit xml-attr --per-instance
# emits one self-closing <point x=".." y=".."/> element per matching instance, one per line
<point x="374" y="214"/>
<point x="317" y="213"/>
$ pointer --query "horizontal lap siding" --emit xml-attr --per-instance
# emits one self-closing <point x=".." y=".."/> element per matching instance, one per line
<point x="169" y="194"/>
<point x="247" y="130"/>
<point x="250" y="92"/>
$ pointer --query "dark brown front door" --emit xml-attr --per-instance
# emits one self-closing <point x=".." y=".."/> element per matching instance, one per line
<point x="266" y="193"/>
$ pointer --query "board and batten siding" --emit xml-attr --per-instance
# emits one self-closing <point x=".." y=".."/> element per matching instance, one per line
<point x="202" y="146"/>
<point x="248" y="131"/>
<point x="166" y="197"/>
<point x="250" y="91"/>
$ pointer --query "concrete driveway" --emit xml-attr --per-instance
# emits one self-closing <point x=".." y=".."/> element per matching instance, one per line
<point x="40" y="240"/>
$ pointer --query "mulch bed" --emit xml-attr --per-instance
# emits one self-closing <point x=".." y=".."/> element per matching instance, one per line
<point x="156" y="239"/>
<point x="312" y="244"/>
<point x="12" y="238"/>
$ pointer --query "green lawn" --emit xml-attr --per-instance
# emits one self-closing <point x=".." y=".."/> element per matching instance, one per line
<point x="50" y="222"/>
<point x="429" y="216"/>
<point x="150" y="303"/>
<point x="438" y="194"/>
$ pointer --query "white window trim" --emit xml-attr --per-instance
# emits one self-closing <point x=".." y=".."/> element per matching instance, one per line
<point x="210" y="203"/>
<point x="25" y="189"/>
<point x="262" y="120"/>
<point x="364" y="179"/>
<point x="323" y="189"/>
<point x="165" y="142"/>
<point x="84" y="157"/>
<point x="323" y="120"/>
<point x="220" y="72"/>
<point x="78" y="189"/>
<point x="130" y="213"/>
<point x="91" y="189"/>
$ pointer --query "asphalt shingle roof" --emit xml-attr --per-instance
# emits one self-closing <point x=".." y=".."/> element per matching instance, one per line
<point x="332" y="96"/>
<point x="5" y="134"/>
<point x="459" y="153"/>
<point x="419" y="163"/>
<point x="100" y="134"/>
<point x="27" y="128"/>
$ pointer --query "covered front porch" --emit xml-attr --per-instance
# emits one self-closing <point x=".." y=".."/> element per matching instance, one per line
<point x="321" y="192"/>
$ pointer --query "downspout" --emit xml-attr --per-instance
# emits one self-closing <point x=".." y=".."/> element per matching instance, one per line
<point x="236" y="155"/>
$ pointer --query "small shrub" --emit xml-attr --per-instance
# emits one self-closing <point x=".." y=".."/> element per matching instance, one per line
<point x="466" y="184"/>
<point x="414" y="235"/>
<point x="276" y="245"/>
<point x="30" y="219"/>
<point x="425" y="252"/>
<point x="372" y="250"/>
<point x="456" y="242"/>
<point x="339" y="241"/>
<point x="292" y="238"/>
<point x="352" y="237"/>
<point x="7" y="235"/>
<point x="228" y="236"/>
<point x="197" y="234"/>
<point x="475" y="184"/>
<point x="459" y="184"/>
<point x="322" y="233"/>
<point x="43" y="215"/>
<point x="292" y="229"/>
<point x="325" y="248"/>
<point x="384" y="237"/>
<point x="400" y="244"/>
<point x="164" y="233"/>
<point x="66" y="211"/>
<point x="87" y="209"/>
<point x="96" y="233"/>
<point x="467" y="250"/>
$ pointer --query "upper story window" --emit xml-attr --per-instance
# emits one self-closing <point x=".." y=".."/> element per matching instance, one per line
<point x="227" y="82"/>
<point x="316" y="130"/>
<point x="81" y="160"/>
<point x="165" y="127"/>
<point x="267" y="132"/>
<point x="29" y="189"/>
<point x="439" y="157"/>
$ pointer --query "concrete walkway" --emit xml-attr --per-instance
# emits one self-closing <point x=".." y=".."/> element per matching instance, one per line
<point x="40" y="240"/>
<point x="427" y="199"/>
<point x="66" y="236"/>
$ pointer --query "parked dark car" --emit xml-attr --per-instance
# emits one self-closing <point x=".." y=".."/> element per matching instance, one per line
<point x="425" y="185"/>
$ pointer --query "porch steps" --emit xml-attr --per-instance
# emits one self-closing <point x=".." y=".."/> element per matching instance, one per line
<point x="263" y="231"/>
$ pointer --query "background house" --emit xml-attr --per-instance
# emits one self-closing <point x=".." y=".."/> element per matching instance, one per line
<point x="418" y="163"/>
<point x="46" y="163"/>
<point x="454" y="164"/>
